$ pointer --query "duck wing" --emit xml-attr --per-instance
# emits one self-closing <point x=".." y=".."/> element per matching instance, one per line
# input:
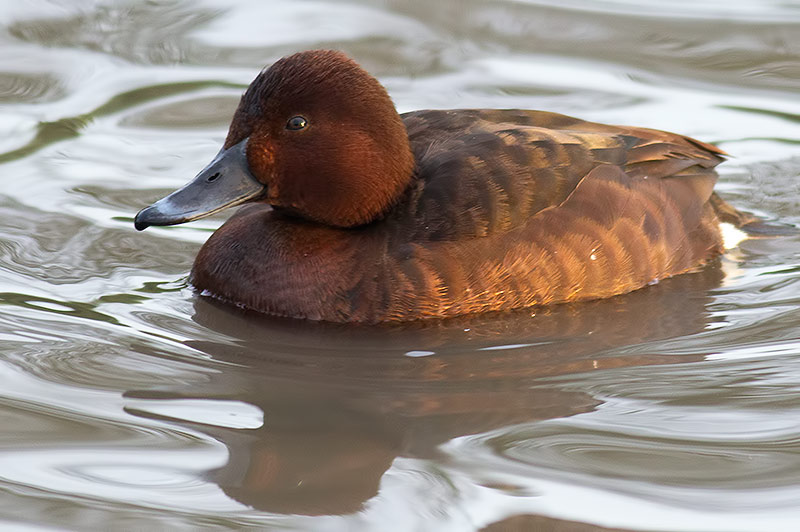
<point x="514" y="209"/>
<point x="481" y="172"/>
<point x="613" y="234"/>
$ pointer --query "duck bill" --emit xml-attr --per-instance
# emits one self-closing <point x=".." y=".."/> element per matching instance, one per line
<point x="225" y="182"/>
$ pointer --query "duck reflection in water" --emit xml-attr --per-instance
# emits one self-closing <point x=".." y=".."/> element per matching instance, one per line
<point x="341" y="403"/>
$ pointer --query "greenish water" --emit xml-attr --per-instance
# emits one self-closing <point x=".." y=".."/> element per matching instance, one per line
<point x="129" y="403"/>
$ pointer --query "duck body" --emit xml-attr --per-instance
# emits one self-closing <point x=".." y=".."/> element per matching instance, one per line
<point x="508" y="209"/>
<point x="497" y="210"/>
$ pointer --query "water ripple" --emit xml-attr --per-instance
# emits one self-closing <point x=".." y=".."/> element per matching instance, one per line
<point x="130" y="402"/>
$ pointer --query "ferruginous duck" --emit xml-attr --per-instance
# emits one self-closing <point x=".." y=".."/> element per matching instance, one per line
<point x="359" y="214"/>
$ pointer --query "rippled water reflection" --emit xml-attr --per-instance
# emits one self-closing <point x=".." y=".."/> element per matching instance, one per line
<point x="129" y="403"/>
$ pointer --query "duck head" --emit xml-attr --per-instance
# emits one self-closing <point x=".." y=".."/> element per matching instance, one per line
<point x="314" y="135"/>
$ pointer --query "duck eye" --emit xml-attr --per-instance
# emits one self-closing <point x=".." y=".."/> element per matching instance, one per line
<point x="296" y="122"/>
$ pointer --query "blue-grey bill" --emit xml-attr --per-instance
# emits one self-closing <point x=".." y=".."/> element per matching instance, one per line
<point x="224" y="183"/>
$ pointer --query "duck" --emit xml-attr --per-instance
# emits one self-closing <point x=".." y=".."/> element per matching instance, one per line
<point x="354" y="213"/>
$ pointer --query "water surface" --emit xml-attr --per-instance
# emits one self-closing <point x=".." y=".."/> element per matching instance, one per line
<point x="130" y="403"/>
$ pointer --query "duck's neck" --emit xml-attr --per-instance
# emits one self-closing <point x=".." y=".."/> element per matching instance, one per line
<point x="388" y="173"/>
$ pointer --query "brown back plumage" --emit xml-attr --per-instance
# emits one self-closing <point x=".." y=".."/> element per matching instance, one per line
<point x="508" y="209"/>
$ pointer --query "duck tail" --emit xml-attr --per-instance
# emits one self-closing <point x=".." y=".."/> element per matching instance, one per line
<point x="728" y="214"/>
<point x="751" y="224"/>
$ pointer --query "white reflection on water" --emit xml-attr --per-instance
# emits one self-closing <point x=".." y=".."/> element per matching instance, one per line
<point x="228" y="414"/>
<point x="253" y="23"/>
<point x="748" y="10"/>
